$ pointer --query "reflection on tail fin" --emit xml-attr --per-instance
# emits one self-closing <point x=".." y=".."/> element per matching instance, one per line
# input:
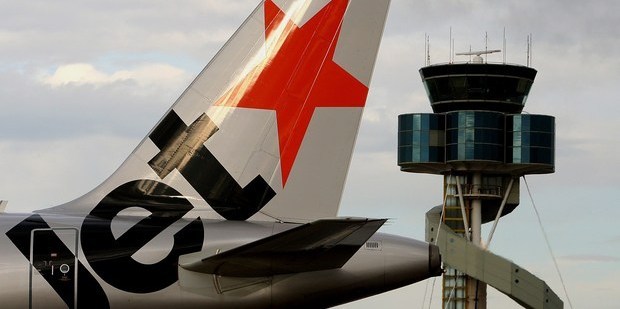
<point x="269" y="125"/>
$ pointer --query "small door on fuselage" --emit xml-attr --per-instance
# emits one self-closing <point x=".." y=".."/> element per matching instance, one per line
<point x="53" y="268"/>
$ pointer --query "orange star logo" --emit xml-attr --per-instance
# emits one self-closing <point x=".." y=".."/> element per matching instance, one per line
<point x="297" y="76"/>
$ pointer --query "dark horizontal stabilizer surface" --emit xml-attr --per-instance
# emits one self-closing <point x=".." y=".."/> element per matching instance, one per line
<point x="320" y="245"/>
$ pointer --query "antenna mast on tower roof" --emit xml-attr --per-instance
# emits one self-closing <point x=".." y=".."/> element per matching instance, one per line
<point x="504" y="54"/>
<point x="529" y="50"/>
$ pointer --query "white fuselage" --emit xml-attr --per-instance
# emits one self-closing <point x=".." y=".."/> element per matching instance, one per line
<point x="383" y="263"/>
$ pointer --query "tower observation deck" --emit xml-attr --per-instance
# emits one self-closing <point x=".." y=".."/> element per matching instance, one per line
<point x="480" y="141"/>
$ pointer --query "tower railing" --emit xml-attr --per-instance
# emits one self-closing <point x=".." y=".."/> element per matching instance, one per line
<point x="482" y="191"/>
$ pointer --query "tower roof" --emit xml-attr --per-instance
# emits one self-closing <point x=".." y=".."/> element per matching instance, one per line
<point x="478" y="86"/>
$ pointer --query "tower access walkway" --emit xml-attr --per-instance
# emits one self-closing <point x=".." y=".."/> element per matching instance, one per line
<point x="502" y="274"/>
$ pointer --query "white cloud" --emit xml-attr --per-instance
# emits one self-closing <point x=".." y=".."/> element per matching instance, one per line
<point x="79" y="74"/>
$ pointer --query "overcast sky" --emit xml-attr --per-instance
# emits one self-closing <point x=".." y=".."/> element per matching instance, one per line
<point x="82" y="82"/>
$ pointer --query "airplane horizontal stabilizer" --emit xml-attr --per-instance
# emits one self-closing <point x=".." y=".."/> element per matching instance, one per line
<point x="320" y="245"/>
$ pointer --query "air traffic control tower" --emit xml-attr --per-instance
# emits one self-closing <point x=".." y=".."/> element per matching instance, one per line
<point x="480" y="142"/>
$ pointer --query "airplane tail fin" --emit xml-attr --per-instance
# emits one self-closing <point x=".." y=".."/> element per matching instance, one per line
<point x="268" y="127"/>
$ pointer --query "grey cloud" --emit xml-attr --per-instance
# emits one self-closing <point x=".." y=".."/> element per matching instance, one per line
<point x="34" y="111"/>
<point x="66" y="30"/>
<point x="615" y="240"/>
<point x="590" y="258"/>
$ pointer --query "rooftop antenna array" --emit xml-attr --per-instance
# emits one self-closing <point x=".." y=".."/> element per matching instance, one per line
<point x="476" y="56"/>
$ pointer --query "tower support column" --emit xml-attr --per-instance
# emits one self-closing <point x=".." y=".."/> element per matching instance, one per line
<point x="476" y="210"/>
<point x="476" y="290"/>
<point x="476" y="294"/>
